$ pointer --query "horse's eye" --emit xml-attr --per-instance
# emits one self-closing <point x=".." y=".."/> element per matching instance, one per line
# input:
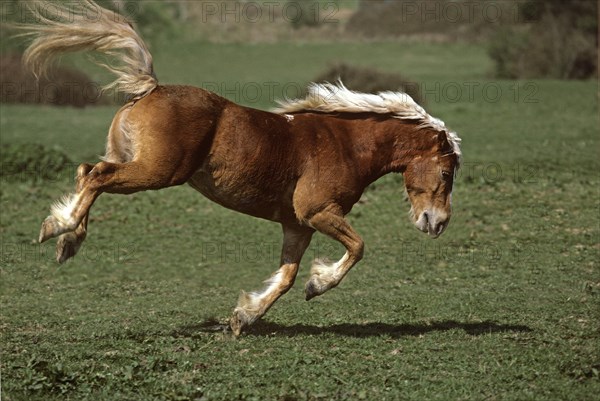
<point x="446" y="174"/>
<point x="415" y="191"/>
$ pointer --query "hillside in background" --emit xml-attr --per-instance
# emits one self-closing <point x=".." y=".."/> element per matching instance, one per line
<point x="526" y="39"/>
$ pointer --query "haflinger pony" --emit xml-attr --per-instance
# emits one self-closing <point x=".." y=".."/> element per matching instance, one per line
<point x="303" y="166"/>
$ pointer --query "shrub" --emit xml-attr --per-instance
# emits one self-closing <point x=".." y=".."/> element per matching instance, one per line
<point x="307" y="13"/>
<point x="552" y="40"/>
<point x="505" y="49"/>
<point x="62" y="86"/>
<point x="31" y="162"/>
<point x="439" y="19"/>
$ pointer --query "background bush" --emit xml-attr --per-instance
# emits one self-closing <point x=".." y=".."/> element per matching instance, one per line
<point x="446" y="20"/>
<point x="63" y="86"/>
<point x="31" y="162"/>
<point x="552" y="39"/>
<point x="311" y="13"/>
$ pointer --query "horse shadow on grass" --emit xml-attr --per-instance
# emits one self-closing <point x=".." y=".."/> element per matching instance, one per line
<point x="357" y="330"/>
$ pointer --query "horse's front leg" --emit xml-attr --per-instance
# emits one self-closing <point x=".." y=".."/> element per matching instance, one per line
<point x="325" y="276"/>
<point x="251" y="306"/>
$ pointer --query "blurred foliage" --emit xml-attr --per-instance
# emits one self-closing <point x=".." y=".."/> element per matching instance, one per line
<point x="31" y="162"/>
<point x="309" y="13"/>
<point x="525" y="39"/>
<point x="447" y="20"/>
<point x="552" y="39"/>
<point x="62" y="86"/>
<point x="582" y="13"/>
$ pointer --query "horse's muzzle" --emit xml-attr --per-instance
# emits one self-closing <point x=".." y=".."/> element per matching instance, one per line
<point x="433" y="222"/>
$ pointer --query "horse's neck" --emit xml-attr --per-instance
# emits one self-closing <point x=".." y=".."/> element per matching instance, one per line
<point x="400" y="145"/>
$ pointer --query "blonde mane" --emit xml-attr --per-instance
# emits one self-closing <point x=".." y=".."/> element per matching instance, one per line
<point x="330" y="98"/>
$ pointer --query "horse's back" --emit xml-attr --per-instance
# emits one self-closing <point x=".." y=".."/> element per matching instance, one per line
<point x="238" y="157"/>
<point x="249" y="160"/>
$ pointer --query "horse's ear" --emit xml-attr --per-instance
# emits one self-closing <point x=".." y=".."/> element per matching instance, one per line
<point x="443" y="140"/>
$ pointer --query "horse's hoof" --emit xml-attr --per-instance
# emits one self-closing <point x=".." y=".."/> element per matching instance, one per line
<point x="238" y="321"/>
<point x="48" y="229"/>
<point x="310" y="290"/>
<point x="66" y="247"/>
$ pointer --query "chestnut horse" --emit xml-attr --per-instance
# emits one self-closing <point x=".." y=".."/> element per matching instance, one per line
<point x="303" y="166"/>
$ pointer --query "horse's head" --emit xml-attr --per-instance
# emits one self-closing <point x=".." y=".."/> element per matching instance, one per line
<point x="428" y="179"/>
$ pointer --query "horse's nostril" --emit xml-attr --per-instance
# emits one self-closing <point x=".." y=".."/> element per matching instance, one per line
<point x="426" y="216"/>
<point x="439" y="227"/>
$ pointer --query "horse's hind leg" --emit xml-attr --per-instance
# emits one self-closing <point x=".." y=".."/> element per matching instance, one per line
<point x="123" y="178"/>
<point x="60" y="222"/>
<point x="325" y="276"/>
<point x="69" y="243"/>
<point x="252" y="306"/>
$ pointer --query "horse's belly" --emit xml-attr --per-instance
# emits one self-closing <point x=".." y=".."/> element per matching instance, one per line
<point x="236" y="193"/>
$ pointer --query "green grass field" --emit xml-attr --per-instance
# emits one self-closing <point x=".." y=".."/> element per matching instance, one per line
<point x="504" y="306"/>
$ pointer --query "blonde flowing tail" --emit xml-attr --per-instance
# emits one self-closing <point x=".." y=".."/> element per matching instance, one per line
<point x="85" y="26"/>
